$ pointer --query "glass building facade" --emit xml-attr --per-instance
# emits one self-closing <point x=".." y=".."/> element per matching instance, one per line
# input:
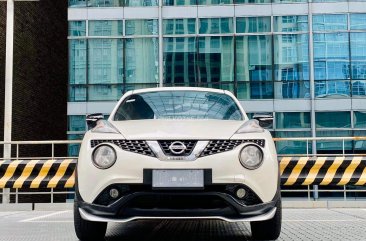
<point x="304" y="62"/>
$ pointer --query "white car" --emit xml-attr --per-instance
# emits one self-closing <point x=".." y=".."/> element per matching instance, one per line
<point x="177" y="153"/>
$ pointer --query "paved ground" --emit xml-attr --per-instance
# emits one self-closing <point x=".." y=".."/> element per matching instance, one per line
<point x="298" y="224"/>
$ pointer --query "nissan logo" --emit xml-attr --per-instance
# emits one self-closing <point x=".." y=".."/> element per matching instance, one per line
<point x="177" y="147"/>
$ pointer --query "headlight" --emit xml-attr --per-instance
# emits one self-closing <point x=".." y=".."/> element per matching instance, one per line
<point x="251" y="157"/>
<point x="104" y="156"/>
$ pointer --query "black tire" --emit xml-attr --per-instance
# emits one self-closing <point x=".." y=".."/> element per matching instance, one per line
<point x="269" y="229"/>
<point x="87" y="230"/>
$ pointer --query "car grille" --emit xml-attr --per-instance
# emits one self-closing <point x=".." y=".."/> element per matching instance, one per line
<point x="218" y="146"/>
<point x="139" y="147"/>
<point x="188" y="143"/>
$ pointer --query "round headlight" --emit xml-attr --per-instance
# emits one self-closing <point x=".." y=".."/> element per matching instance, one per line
<point x="251" y="157"/>
<point x="104" y="156"/>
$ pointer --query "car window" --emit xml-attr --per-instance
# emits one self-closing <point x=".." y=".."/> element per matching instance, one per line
<point x="178" y="105"/>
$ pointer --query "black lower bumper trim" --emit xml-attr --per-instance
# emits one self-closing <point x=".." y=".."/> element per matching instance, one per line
<point x="147" y="204"/>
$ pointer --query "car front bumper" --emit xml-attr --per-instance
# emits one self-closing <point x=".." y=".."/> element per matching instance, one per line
<point x="183" y="204"/>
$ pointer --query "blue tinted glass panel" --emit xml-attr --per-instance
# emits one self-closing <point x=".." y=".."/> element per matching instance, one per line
<point x="333" y="89"/>
<point x="341" y="119"/>
<point x="105" y="28"/>
<point x="77" y="61"/>
<point x="328" y="22"/>
<point x="214" y="2"/>
<point x="215" y="25"/>
<point x="292" y="89"/>
<point x="77" y="3"/>
<point x="331" y="56"/>
<point x="216" y="59"/>
<point x="358" y="21"/>
<point x="179" y="26"/>
<point x="293" y="147"/>
<point x="105" y="63"/>
<point x="179" y="2"/>
<point x="358" y="55"/>
<point x="254" y="58"/>
<point x="252" y="1"/>
<point x="73" y="149"/>
<point x="291" y="57"/>
<point x="103" y="92"/>
<point x="290" y="1"/>
<point x="141" y="3"/>
<point x="290" y="23"/>
<point x="359" y="119"/>
<point x="77" y="93"/>
<point x="142" y="27"/>
<point x="333" y="146"/>
<point x="253" y="24"/>
<point x="255" y="90"/>
<point x="359" y="88"/>
<point x="180" y="58"/>
<point x="292" y="120"/>
<point x="77" y="28"/>
<point x="142" y="58"/>
<point x="76" y="123"/>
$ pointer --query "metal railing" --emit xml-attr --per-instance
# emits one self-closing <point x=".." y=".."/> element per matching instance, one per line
<point x="52" y="192"/>
<point x="309" y="140"/>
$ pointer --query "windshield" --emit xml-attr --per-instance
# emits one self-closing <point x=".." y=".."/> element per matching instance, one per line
<point x="178" y="105"/>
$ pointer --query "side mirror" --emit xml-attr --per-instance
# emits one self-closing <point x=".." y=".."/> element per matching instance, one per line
<point x="265" y="120"/>
<point x="92" y="119"/>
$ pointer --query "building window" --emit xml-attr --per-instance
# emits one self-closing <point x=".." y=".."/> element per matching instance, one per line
<point x="77" y="61"/>
<point x="77" y="28"/>
<point x="290" y="23"/>
<point x="358" y="21"/>
<point x="179" y="26"/>
<point x="105" y="28"/>
<point x="359" y="119"/>
<point x="253" y="25"/>
<point x="179" y="2"/>
<point x="180" y="61"/>
<point x="141" y="3"/>
<point x="142" y="27"/>
<point x="105" y="3"/>
<point x="216" y="59"/>
<point x="341" y="119"/>
<point x="329" y="22"/>
<point x="142" y="58"/>
<point x="216" y="25"/>
<point x="105" y="61"/>
<point x="290" y="120"/>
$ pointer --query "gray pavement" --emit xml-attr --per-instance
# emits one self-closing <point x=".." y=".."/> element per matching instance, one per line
<point x="298" y="224"/>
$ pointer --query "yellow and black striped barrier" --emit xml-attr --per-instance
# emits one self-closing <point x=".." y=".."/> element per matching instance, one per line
<point x="323" y="171"/>
<point x="60" y="173"/>
<point x="37" y="173"/>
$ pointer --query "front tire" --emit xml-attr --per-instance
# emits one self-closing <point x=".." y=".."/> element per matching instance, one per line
<point x="87" y="230"/>
<point x="269" y="229"/>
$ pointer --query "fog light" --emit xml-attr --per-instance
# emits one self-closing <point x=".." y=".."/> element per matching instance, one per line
<point x="240" y="193"/>
<point x="114" y="193"/>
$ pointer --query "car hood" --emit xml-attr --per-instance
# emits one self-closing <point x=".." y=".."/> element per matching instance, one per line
<point x="177" y="129"/>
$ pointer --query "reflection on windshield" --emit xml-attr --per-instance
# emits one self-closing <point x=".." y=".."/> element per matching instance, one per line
<point x="178" y="105"/>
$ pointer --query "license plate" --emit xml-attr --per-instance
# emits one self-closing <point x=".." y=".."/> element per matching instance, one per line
<point x="177" y="178"/>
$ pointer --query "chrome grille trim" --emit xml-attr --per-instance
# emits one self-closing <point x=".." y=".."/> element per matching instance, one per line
<point x="219" y="146"/>
<point x="190" y="144"/>
<point x="135" y="146"/>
